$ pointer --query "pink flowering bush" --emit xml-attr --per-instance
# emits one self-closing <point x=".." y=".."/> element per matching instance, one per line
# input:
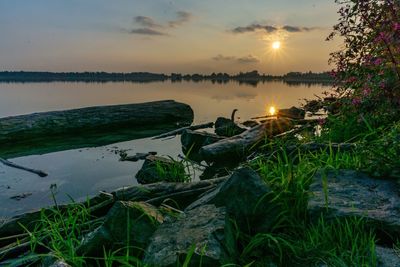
<point x="367" y="69"/>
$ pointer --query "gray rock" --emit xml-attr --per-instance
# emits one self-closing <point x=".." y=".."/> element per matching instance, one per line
<point x="135" y="221"/>
<point x="156" y="169"/>
<point x="226" y="127"/>
<point x="387" y="257"/>
<point x="351" y="193"/>
<point x="60" y="263"/>
<point x="246" y="197"/>
<point x="207" y="228"/>
<point x="192" y="141"/>
<point x="136" y="157"/>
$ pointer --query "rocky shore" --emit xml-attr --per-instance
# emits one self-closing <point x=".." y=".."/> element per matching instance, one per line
<point x="170" y="220"/>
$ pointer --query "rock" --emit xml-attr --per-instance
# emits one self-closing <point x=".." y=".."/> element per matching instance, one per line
<point x="207" y="228"/>
<point x="60" y="263"/>
<point x="156" y="169"/>
<point x="226" y="127"/>
<point x="313" y="106"/>
<point x="250" y="123"/>
<point x="135" y="221"/>
<point x="192" y="141"/>
<point x="387" y="257"/>
<point x="353" y="193"/>
<point x="292" y="113"/>
<point x="216" y="170"/>
<point x="137" y="156"/>
<point x="247" y="199"/>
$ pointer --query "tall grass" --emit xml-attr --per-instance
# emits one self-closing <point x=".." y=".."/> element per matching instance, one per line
<point x="297" y="241"/>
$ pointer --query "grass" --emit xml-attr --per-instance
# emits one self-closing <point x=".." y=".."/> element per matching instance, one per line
<point x="174" y="171"/>
<point x="294" y="240"/>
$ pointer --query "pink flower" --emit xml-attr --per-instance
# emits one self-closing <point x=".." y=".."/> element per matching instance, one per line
<point x="396" y="26"/>
<point x="366" y="91"/>
<point x="352" y="79"/>
<point x="356" y="101"/>
<point x="378" y="61"/>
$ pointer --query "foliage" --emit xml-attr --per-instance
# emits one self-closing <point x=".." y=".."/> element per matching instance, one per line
<point x="174" y="171"/>
<point x="295" y="241"/>
<point x="367" y="69"/>
<point x="381" y="156"/>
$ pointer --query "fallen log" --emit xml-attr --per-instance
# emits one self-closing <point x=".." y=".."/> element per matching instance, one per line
<point x="181" y="130"/>
<point x="238" y="146"/>
<point x="92" y="126"/>
<point x="13" y="165"/>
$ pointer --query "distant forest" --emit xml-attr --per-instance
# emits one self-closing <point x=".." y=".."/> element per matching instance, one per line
<point x="252" y="77"/>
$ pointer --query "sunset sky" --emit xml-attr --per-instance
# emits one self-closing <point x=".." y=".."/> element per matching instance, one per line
<point x="166" y="36"/>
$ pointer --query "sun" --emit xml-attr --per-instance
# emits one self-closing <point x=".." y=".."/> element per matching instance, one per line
<point x="276" y="45"/>
<point x="272" y="111"/>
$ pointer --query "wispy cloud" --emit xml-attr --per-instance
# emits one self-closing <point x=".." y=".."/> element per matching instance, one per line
<point x="146" y="22"/>
<point x="146" y="31"/>
<point x="254" y="27"/>
<point x="243" y="60"/>
<point x="150" y="26"/>
<point x="270" y="29"/>
<point x="220" y="57"/>
<point x="248" y="59"/>
<point x="181" y="18"/>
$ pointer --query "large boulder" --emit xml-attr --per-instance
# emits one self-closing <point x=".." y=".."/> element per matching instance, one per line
<point x="247" y="199"/>
<point x="127" y="223"/>
<point x="387" y="257"/>
<point x="192" y="141"/>
<point x="205" y="230"/>
<point x="156" y="169"/>
<point x="227" y="127"/>
<point x="346" y="193"/>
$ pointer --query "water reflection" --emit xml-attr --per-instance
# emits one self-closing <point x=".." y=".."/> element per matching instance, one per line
<point x="83" y="172"/>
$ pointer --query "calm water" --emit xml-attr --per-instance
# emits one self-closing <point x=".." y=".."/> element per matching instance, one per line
<point x="84" y="172"/>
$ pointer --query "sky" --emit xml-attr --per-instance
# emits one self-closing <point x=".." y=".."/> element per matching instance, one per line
<point x="186" y="36"/>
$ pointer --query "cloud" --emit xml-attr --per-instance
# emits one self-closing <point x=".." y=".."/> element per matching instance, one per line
<point x="289" y="28"/>
<point x="149" y="26"/>
<point x="243" y="60"/>
<point x="223" y="58"/>
<point x="269" y="28"/>
<point x="146" y="31"/>
<point x="254" y="27"/>
<point x="146" y="22"/>
<point x="181" y="18"/>
<point x="248" y="59"/>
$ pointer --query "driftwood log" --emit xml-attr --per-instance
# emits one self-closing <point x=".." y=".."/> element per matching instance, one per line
<point x="181" y="130"/>
<point x="92" y="126"/>
<point x="238" y="146"/>
<point x="13" y="165"/>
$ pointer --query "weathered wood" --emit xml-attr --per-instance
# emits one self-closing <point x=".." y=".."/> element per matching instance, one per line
<point x="181" y="130"/>
<point x="90" y="126"/>
<point x="151" y="191"/>
<point x="240" y="145"/>
<point x="13" y="165"/>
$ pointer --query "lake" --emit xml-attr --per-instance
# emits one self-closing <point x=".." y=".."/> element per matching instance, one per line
<point x="84" y="172"/>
